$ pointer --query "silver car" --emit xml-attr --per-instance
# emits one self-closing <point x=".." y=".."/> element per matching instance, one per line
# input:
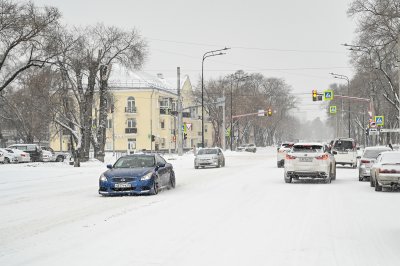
<point x="368" y="158"/>
<point x="386" y="171"/>
<point x="309" y="160"/>
<point x="209" y="157"/>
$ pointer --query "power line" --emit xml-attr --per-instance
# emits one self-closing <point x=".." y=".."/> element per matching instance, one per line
<point x="250" y="48"/>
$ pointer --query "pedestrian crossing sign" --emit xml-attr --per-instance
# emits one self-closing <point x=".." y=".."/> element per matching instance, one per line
<point x="328" y="95"/>
<point x="379" y="120"/>
<point x="332" y="109"/>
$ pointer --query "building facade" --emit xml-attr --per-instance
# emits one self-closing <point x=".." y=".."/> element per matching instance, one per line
<point x="143" y="116"/>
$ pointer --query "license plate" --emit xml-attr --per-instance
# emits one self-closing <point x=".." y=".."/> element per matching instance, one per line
<point x="122" y="185"/>
<point x="306" y="159"/>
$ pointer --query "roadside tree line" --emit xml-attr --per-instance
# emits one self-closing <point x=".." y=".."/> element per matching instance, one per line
<point x="53" y="72"/>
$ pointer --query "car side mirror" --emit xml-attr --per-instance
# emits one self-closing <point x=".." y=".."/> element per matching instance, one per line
<point x="159" y="165"/>
<point x="334" y="152"/>
<point x="109" y="166"/>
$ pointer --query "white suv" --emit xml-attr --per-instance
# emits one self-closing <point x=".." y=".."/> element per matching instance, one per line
<point x="282" y="150"/>
<point x="309" y="160"/>
<point x="345" y="151"/>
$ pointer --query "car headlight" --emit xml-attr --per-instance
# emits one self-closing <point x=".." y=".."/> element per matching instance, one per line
<point x="146" y="177"/>
<point x="103" y="178"/>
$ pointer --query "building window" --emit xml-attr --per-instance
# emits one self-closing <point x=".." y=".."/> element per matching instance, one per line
<point x="109" y="146"/>
<point x="131" y="122"/>
<point x="162" y="123"/>
<point x="130" y="105"/>
<point x="109" y="123"/>
<point x="131" y="144"/>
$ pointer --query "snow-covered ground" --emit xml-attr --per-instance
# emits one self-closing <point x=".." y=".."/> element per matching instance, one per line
<point x="243" y="214"/>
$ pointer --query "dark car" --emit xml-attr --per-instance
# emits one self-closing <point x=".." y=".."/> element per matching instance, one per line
<point x="137" y="174"/>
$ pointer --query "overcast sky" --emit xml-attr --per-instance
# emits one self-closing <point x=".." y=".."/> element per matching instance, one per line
<point x="299" y="41"/>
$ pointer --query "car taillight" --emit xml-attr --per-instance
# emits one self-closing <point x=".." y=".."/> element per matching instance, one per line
<point x="322" y="157"/>
<point x="387" y="171"/>
<point x="365" y="161"/>
<point x="23" y="155"/>
<point x="290" y="157"/>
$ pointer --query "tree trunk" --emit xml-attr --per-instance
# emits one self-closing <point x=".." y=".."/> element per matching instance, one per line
<point x="101" y="131"/>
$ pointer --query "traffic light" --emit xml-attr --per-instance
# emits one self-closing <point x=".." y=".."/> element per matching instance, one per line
<point x="269" y="113"/>
<point x="314" y="95"/>
<point x="153" y="138"/>
<point x="367" y="131"/>
<point x="184" y="136"/>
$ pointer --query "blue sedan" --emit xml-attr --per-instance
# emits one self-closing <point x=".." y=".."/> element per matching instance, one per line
<point x="137" y="174"/>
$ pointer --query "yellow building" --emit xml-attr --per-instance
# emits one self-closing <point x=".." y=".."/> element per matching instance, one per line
<point x="142" y="110"/>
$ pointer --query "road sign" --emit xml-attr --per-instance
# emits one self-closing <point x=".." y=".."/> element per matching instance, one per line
<point x="261" y="113"/>
<point x="328" y="95"/>
<point x="372" y="123"/>
<point x="373" y="131"/>
<point x="379" y="120"/>
<point x="393" y="130"/>
<point x="332" y="109"/>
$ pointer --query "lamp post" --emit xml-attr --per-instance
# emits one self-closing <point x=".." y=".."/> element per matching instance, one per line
<point x="206" y="55"/>
<point x="231" y="130"/>
<point x="344" y="77"/>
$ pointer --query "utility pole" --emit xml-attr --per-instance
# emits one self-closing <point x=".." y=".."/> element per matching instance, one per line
<point x="398" y="67"/>
<point x="223" y="123"/>
<point x="180" y="150"/>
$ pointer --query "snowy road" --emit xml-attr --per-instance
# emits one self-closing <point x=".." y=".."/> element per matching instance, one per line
<point x="243" y="214"/>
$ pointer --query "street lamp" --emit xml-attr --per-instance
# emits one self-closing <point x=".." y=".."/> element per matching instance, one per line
<point x="206" y="55"/>
<point x="231" y="130"/>
<point x="339" y="76"/>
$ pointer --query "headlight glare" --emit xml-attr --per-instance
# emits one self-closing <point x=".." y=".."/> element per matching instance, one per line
<point x="146" y="177"/>
<point x="103" y="178"/>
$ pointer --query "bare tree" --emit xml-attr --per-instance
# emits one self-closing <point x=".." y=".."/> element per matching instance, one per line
<point x="25" y="38"/>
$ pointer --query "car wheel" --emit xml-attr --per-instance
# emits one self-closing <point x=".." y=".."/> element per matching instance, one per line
<point x="6" y="160"/>
<point x="360" y="178"/>
<point x="354" y="166"/>
<point x="154" y="189"/>
<point x="219" y="164"/>
<point x="333" y="176"/>
<point x="328" y="179"/>
<point x="223" y="163"/>
<point x="172" y="181"/>
<point x="60" y="158"/>
<point x="288" y="179"/>
<point x="371" y="182"/>
<point x="196" y="167"/>
<point x="377" y="186"/>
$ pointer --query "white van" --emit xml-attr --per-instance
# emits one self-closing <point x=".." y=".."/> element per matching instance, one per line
<point x="345" y="151"/>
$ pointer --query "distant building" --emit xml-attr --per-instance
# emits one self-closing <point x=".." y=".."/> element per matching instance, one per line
<point x="142" y="109"/>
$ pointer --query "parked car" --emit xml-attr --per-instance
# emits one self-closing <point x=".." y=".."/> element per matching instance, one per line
<point x="209" y="157"/>
<point x="34" y="151"/>
<point x="367" y="159"/>
<point x="281" y="153"/>
<point x="137" y="174"/>
<point x="9" y="157"/>
<point x="247" y="147"/>
<point x="56" y="156"/>
<point x="345" y="151"/>
<point x="23" y="157"/>
<point x="1" y="157"/>
<point x="46" y="156"/>
<point x="309" y="160"/>
<point x="385" y="172"/>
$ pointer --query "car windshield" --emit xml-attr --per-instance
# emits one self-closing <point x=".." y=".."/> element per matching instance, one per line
<point x="373" y="154"/>
<point x="390" y="158"/>
<point x="135" y="162"/>
<point x="207" y="151"/>
<point x="343" y="145"/>
<point x="308" y="148"/>
<point x="287" y="145"/>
